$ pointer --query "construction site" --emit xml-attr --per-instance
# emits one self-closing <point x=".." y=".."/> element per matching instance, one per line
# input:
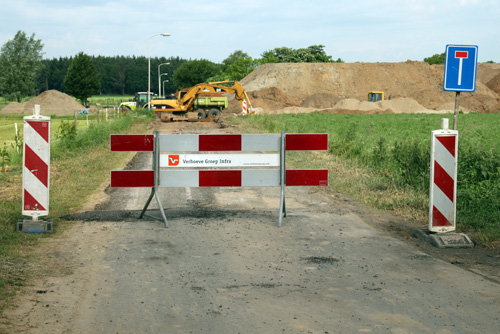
<point x="409" y="87"/>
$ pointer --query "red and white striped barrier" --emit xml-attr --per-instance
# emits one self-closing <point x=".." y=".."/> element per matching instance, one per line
<point x="443" y="188"/>
<point x="36" y="167"/>
<point x="244" y="108"/>
<point x="169" y="169"/>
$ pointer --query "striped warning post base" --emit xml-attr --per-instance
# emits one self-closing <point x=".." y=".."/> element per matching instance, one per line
<point x="443" y="188"/>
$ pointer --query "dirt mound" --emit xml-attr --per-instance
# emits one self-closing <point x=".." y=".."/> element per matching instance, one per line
<point x="320" y="100"/>
<point x="269" y="99"/>
<point x="322" y="85"/>
<point x="486" y="71"/>
<point x="494" y="84"/>
<point x="52" y="102"/>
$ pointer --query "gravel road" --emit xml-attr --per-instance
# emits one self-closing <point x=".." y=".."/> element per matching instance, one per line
<point x="223" y="266"/>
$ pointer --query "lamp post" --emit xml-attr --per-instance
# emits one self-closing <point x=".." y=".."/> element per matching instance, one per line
<point x="149" y="66"/>
<point x="164" y="87"/>
<point x="159" y="80"/>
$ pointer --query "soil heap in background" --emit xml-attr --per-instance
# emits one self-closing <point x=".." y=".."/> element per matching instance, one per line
<point x="52" y="102"/>
<point x="342" y="87"/>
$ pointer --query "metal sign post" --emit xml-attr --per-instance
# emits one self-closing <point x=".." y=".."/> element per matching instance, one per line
<point x="460" y="70"/>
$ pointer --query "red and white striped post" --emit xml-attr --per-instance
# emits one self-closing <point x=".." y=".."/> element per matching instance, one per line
<point x="36" y="173"/>
<point x="244" y="108"/>
<point x="443" y="183"/>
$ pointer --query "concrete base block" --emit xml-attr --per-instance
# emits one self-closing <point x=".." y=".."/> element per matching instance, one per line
<point x="27" y="225"/>
<point x="444" y="240"/>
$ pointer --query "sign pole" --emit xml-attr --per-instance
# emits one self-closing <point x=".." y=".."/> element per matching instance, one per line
<point x="455" y="117"/>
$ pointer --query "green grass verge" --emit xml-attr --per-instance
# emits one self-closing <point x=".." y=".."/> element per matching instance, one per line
<point x="80" y="165"/>
<point x="109" y="100"/>
<point x="383" y="160"/>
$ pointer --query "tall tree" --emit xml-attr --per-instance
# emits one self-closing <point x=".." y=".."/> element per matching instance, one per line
<point x="20" y="63"/>
<point x="194" y="72"/>
<point x="438" y="58"/>
<point x="238" y="65"/>
<point x="82" y="79"/>
<point x="311" y="54"/>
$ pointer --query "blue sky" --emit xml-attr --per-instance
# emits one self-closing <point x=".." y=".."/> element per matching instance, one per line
<point x="356" y="30"/>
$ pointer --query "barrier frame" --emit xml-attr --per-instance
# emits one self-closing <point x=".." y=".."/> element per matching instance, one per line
<point x="158" y="143"/>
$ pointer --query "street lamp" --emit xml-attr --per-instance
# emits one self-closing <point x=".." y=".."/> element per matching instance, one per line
<point x="149" y="66"/>
<point x="164" y="87"/>
<point x="159" y="80"/>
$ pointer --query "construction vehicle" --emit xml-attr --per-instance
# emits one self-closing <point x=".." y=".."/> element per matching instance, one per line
<point x="200" y="101"/>
<point x="206" y="100"/>
<point x="376" y="96"/>
<point x="140" y="101"/>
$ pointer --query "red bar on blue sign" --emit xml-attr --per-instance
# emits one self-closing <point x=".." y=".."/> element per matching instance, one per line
<point x="461" y="54"/>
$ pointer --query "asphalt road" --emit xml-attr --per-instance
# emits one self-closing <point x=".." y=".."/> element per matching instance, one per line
<point x="223" y="266"/>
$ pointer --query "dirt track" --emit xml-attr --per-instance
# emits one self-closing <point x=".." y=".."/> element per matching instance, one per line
<point x="223" y="266"/>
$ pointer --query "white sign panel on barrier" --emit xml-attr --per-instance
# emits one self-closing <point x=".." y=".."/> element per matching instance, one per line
<point x="219" y="160"/>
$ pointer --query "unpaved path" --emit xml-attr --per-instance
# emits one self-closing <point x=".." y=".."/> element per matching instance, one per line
<point x="223" y="266"/>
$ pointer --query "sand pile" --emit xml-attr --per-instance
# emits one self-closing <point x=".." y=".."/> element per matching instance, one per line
<point x="413" y="87"/>
<point x="494" y="84"/>
<point x="52" y="102"/>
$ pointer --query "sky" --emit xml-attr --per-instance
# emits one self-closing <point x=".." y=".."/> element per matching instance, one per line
<point x="355" y="30"/>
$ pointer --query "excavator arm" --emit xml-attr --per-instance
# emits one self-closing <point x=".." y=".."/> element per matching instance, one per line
<point x="184" y="104"/>
<point x="239" y="92"/>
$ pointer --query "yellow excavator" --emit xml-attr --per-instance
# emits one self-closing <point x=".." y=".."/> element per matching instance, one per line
<point x="376" y="96"/>
<point x="200" y="101"/>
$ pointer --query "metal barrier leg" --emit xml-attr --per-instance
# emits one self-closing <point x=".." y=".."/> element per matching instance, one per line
<point x="282" y="212"/>
<point x="161" y="208"/>
<point x="154" y="191"/>
<point x="147" y="202"/>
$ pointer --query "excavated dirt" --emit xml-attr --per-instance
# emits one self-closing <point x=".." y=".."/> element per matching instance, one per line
<point x="52" y="102"/>
<point x="410" y="87"/>
<point x="494" y="84"/>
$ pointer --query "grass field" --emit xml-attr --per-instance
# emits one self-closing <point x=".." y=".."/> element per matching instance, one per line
<point x="384" y="160"/>
<point x="8" y="132"/>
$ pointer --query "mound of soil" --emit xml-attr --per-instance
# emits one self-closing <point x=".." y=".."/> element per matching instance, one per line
<point x="494" y="84"/>
<point x="412" y="86"/>
<point x="320" y="100"/>
<point x="52" y="102"/>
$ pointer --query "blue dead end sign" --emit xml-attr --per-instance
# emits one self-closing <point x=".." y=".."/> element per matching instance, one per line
<point x="460" y="68"/>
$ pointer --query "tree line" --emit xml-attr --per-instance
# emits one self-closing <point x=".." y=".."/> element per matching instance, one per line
<point x="24" y="72"/>
<point x="122" y="75"/>
<point x="117" y="75"/>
